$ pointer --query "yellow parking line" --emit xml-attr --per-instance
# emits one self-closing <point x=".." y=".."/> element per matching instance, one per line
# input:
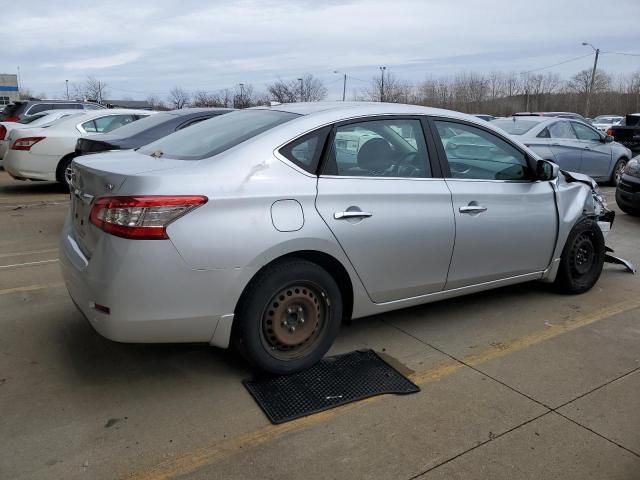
<point x="192" y="461"/>
<point x="31" y="288"/>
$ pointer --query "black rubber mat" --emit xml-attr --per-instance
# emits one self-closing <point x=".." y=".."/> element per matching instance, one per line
<point x="331" y="382"/>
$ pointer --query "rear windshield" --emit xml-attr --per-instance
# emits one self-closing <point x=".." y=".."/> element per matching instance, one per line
<point x="513" y="126"/>
<point x="134" y="128"/>
<point x="31" y="118"/>
<point x="216" y="135"/>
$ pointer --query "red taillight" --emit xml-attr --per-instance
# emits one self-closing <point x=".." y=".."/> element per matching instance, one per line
<point x="26" y="143"/>
<point x="610" y="131"/>
<point x="3" y="132"/>
<point x="141" y="217"/>
<point x="11" y="119"/>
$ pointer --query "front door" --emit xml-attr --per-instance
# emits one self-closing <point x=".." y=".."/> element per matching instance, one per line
<point x="506" y="222"/>
<point x="393" y="220"/>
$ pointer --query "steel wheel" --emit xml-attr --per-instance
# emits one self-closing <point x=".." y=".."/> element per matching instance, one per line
<point x="294" y="319"/>
<point x="582" y="255"/>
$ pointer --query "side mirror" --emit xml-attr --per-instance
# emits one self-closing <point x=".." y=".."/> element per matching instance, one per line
<point x="546" y="170"/>
<point x="608" y="139"/>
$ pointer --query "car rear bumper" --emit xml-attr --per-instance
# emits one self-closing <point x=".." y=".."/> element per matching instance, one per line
<point x="24" y="164"/>
<point x="151" y="293"/>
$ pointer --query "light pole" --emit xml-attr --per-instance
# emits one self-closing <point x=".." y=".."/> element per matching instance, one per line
<point x="241" y="101"/>
<point x="301" y="89"/>
<point x="66" y="82"/>
<point x="593" y="76"/>
<point x="382" y="69"/>
<point x="344" y="84"/>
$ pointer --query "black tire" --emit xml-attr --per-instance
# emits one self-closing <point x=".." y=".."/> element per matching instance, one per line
<point x="62" y="168"/>
<point x="582" y="259"/>
<point x="634" y="212"/>
<point x="616" y="173"/>
<point x="289" y="317"/>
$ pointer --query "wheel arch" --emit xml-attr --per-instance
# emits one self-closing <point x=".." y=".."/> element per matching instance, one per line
<point x="68" y="156"/>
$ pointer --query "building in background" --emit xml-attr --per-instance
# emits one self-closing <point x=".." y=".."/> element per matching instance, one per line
<point x="8" y="88"/>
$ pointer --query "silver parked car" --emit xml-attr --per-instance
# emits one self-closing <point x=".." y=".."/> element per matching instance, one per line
<point x="267" y="227"/>
<point x="571" y="144"/>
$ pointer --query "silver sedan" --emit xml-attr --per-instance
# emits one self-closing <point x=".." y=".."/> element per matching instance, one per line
<point x="572" y="144"/>
<point x="266" y="228"/>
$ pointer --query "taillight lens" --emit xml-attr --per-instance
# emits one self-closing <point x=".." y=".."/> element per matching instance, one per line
<point x="26" y="143"/>
<point x="141" y="217"/>
<point x="11" y="119"/>
<point x="610" y="131"/>
<point x="3" y="132"/>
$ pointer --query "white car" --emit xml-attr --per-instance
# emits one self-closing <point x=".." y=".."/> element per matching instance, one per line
<point x="38" y="120"/>
<point x="45" y="153"/>
<point x="605" y="122"/>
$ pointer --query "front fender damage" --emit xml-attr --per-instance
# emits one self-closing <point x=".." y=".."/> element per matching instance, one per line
<point x="578" y="197"/>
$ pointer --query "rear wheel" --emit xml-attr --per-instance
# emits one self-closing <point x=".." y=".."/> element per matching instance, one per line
<point x="61" y="171"/>
<point x="618" y="168"/>
<point x="289" y="317"/>
<point x="582" y="258"/>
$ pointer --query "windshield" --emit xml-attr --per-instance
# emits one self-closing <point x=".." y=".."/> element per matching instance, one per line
<point x="216" y="135"/>
<point x="602" y="119"/>
<point x="514" y="126"/>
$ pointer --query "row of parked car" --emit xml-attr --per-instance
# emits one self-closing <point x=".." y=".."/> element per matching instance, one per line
<point x="37" y="144"/>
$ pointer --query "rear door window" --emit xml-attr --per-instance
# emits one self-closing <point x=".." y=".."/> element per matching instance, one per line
<point x="561" y="129"/>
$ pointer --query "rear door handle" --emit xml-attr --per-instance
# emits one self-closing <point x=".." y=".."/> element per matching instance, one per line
<point x="351" y="214"/>
<point x="472" y="209"/>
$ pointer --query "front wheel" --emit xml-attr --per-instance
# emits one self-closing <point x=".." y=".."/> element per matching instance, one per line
<point x="618" y="168"/>
<point x="582" y="258"/>
<point x="289" y="317"/>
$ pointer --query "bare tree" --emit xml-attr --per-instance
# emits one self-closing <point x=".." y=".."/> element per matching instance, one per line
<point x="156" y="103"/>
<point x="178" y="98"/>
<point x="304" y="89"/>
<point x="581" y="82"/>
<point x="95" y="89"/>
<point x="395" y="91"/>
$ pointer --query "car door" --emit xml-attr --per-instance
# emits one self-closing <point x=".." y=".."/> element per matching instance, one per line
<point x="596" y="154"/>
<point x="566" y="148"/>
<point x="506" y="221"/>
<point x="380" y="195"/>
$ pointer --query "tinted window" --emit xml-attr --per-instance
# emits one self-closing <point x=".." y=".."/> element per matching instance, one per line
<point x="514" y="126"/>
<point x="585" y="133"/>
<point x="305" y="151"/>
<point x="561" y="130"/>
<point x="475" y="153"/>
<point x="216" y="135"/>
<point x="380" y="148"/>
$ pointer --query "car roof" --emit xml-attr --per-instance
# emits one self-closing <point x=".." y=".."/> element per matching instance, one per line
<point x="191" y="111"/>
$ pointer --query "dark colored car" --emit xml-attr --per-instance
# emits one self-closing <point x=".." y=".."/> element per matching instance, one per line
<point x="627" y="132"/>
<point x="147" y="130"/>
<point x="628" y="191"/>
<point x="18" y="110"/>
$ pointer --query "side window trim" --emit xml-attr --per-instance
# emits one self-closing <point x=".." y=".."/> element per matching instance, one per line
<point x="444" y="162"/>
<point x="329" y="147"/>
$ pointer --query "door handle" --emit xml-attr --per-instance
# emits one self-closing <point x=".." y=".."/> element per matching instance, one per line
<point x="472" y="209"/>
<point x="351" y="214"/>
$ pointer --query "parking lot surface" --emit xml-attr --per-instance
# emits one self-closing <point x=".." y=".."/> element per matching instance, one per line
<point x="518" y="382"/>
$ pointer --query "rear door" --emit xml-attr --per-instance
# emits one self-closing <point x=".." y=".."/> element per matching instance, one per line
<point x="506" y="221"/>
<point x="380" y="194"/>
<point x="566" y="148"/>
<point x="596" y="154"/>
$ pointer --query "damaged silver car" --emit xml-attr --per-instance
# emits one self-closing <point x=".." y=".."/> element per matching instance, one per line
<point x="266" y="228"/>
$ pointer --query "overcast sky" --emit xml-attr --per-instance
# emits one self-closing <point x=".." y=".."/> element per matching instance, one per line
<point x="147" y="47"/>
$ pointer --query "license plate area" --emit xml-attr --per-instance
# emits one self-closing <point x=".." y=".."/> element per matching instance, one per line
<point x="80" y="213"/>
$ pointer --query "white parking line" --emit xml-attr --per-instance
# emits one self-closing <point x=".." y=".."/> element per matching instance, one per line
<point x="28" y="264"/>
<point x="30" y="252"/>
